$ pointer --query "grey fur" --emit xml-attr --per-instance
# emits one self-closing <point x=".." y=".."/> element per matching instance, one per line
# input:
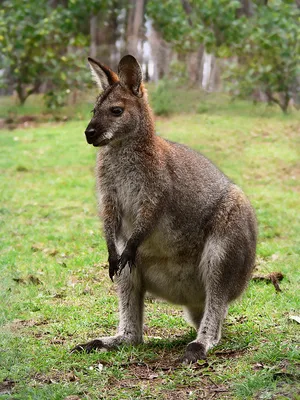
<point x="185" y="230"/>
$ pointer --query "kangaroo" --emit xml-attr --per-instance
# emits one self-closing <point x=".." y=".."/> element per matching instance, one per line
<point x="174" y="224"/>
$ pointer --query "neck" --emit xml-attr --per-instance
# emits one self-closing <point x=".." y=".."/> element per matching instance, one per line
<point x="146" y="127"/>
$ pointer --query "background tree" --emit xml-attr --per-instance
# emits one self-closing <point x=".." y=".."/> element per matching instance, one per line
<point x="34" y="40"/>
<point x="269" y="54"/>
<point x="254" y="43"/>
<point x="262" y="37"/>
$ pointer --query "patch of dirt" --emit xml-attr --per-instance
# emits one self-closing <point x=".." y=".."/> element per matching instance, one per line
<point x="24" y="121"/>
<point x="54" y="377"/>
<point x="59" y="340"/>
<point x="29" y="121"/>
<point x="230" y="353"/>
<point x="41" y="247"/>
<point x="157" y="333"/>
<point x="6" y="386"/>
<point x="154" y="374"/>
<point x="18" y="324"/>
<point x="282" y="391"/>
<point x="34" y="280"/>
<point x="287" y="376"/>
<point x="231" y="320"/>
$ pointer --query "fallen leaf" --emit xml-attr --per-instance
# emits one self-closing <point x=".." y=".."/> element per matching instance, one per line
<point x="258" y="366"/>
<point x="37" y="247"/>
<point x="152" y="376"/>
<point x="19" y="280"/>
<point x="29" y="279"/>
<point x="219" y="389"/>
<point x="71" y="377"/>
<point x="295" y="318"/>
<point x="34" y="280"/>
<point x="100" y="367"/>
<point x="273" y="277"/>
<point x="51" y="252"/>
<point x="73" y="280"/>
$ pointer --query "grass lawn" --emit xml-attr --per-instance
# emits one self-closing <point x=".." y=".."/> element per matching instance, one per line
<point x="55" y="291"/>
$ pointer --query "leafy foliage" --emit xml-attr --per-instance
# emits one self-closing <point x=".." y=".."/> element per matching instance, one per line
<point x="162" y="100"/>
<point x="270" y="54"/>
<point x="38" y="48"/>
<point x="263" y="39"/>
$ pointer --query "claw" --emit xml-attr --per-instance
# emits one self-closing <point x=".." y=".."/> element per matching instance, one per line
<point x="113" y="267"/>
<point x="131" y="265"/>
<point x="88" y="347"/>
<point x="195" y="351"/>
<point x="122" y="265"/>
<point x="127" y="257"/>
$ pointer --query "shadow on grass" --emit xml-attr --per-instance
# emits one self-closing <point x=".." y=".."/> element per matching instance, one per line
<point x="179" y="342"/>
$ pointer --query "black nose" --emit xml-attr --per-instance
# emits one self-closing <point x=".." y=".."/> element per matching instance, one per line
<point x="90" y="134"/>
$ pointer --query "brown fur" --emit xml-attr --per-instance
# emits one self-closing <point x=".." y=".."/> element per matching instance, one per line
<point x="175" y="225"/>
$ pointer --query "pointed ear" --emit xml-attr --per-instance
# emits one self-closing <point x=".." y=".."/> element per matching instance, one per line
<point x="130" y="74"/>
<point x="102" y="75"/>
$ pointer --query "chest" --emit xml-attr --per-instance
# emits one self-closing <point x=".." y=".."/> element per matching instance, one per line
<point x="122" y="182"/>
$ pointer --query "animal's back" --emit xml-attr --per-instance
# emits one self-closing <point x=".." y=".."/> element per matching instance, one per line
<point x="197" y="185"/>
<point x="199" y="207"/>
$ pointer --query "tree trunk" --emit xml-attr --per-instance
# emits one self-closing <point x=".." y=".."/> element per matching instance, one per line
<point x="207" y="65"/>
<point x="246" y="8"/>
<point x="135" y="27"/>
<point x="21" y="96"/>
<point x="93" y="34"/>
<point x="104" y="33"/>
<point x="160" y="55"/>
<point x="215" y="79"/>
<point x="195" y="66"/>
<point x="283" y="102"/>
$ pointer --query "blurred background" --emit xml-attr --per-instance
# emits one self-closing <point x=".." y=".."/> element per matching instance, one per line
<point x="247" y="49"/>
<point x="223" y="77"/>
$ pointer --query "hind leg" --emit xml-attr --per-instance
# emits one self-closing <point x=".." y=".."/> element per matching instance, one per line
<point x="224" y="275"/>
<point x="209" y="330"/>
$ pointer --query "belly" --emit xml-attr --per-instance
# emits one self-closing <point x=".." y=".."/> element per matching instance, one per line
<point x="170" y="270"/>
<point x="174" y="282"/>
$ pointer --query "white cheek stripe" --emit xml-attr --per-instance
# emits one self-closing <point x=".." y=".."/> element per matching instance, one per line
<point x="109" y="135"/>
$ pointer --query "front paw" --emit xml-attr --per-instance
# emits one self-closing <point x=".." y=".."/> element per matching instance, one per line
<point x="127" y="257"/>
<point x="113" y="266"/>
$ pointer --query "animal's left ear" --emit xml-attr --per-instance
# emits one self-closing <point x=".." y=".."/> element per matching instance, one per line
<point x="130" y="74"/>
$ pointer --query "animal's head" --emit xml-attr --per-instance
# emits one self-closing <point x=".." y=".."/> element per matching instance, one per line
<point x="118" y="109"/>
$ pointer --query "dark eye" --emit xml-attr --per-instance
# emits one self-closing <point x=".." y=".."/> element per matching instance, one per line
<point x="116" y="111"/>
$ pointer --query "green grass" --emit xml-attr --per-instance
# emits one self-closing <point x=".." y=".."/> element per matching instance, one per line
<point x="78" y="107"/>
<point x="166" y="99"/>
<point x="55" y="291"/>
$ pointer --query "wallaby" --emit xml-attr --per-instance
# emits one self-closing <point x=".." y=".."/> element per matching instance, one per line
<point x="175" y="225"/>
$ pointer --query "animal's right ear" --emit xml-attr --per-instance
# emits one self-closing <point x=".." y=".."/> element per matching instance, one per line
<point x="103" y="75"/>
